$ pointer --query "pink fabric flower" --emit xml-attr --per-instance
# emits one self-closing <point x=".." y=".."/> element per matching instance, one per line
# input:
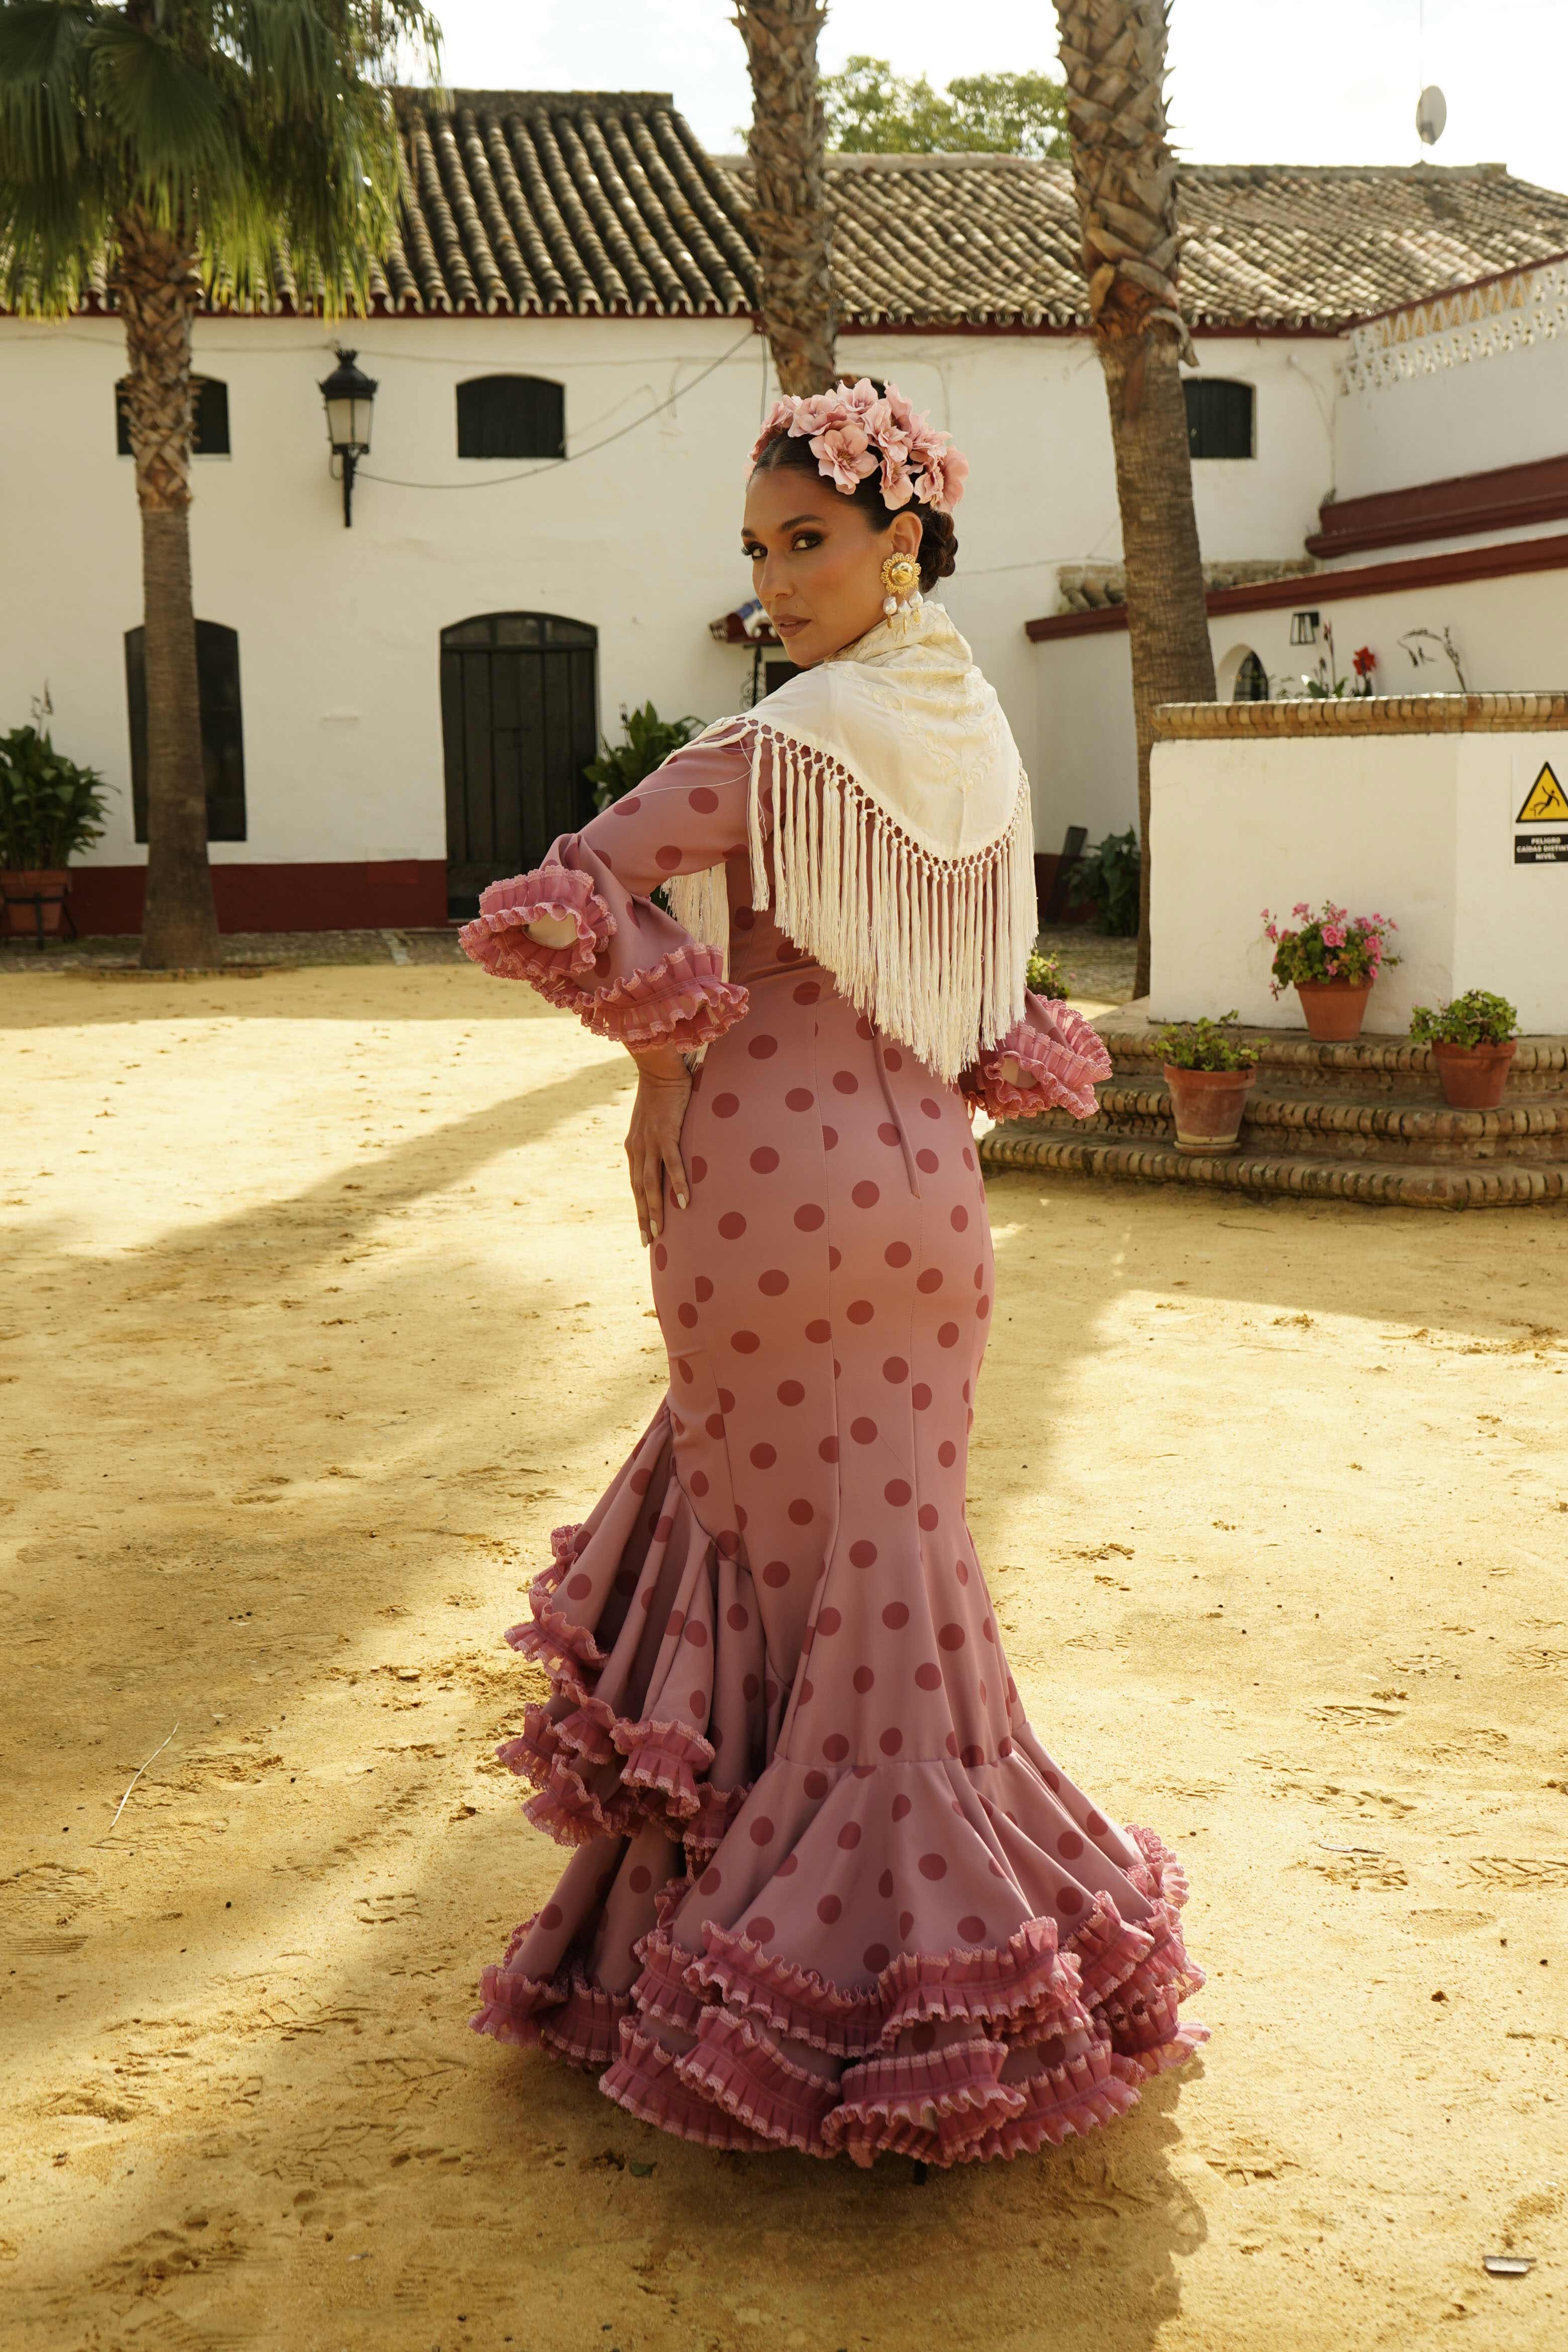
<point x="844" y="455"/>
<point x="897" y="483"/>
<point x="853" y="429"/>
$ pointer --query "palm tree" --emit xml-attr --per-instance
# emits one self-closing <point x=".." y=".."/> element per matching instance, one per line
<point x="789" y="200"/>
<point x="1125" y="178"/>
<point x="172" y="149"/>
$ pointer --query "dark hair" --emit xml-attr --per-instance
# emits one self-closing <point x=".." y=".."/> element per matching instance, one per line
<point x="938" y="540"/>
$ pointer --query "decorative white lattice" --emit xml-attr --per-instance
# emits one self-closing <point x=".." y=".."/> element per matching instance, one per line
<point x="1470" y="322"/>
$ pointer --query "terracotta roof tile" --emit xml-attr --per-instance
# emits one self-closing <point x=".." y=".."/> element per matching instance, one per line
<point x="586" y="201"/>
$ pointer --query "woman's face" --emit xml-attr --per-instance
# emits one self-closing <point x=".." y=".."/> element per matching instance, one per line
<point x="816" y="564"/>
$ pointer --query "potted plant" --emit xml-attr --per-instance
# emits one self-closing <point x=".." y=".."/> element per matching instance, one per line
<point x="1473" y="1042"/>
<point x="1331" y="962"/>
<point x="1210" y="1077"/>
<point x="49" y="809"/>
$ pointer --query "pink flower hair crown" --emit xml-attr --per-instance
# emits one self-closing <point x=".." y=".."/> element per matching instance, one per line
<point x="855" y="429"/>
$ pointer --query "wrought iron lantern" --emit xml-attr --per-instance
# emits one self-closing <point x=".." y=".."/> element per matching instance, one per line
<point x="1305" y="628"/>
<point x="349" y="396"/>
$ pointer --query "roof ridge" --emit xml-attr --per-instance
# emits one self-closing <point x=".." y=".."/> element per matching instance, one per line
<point x="447" y="101"/>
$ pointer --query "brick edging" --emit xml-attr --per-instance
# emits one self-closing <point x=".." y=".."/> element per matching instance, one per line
<point x="1379" y="1186"/>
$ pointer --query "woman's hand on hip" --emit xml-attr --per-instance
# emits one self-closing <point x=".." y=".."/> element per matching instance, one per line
<point x="654" y="1138"/>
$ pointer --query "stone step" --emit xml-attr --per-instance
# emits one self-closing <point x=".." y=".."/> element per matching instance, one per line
<point x="1482" y="1184"/>
<point x="1392" y="1127"/>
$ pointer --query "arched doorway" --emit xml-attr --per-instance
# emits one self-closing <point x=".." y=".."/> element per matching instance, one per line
<point x="519" y="722"/>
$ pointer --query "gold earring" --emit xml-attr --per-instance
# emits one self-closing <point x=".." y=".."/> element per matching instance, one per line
<point x="901" y="585"/>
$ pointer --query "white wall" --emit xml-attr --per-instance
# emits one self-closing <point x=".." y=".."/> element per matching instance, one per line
<point x="1420" y="827"/>
<point x="340" y="630"/>
<point x="1465" y="419"/>
<point x="1511" y="635"/>
<point x="1263" y="507"/>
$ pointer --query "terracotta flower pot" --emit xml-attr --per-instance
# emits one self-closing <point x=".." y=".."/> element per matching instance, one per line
<point x="1473" y="1077"/>
<point x="1333" y="1009"/>
<point x="1208" y="1105"/>
<point x="33" y="901"/>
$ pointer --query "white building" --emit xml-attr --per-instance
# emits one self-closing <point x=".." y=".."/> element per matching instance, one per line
<point x="1439" y="543"/>
<point x="398" y="711"/>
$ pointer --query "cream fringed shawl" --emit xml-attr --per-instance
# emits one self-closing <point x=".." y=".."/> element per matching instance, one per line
<point x="901" y="846"/>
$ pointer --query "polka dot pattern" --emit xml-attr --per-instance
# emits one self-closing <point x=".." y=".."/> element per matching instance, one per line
<point x="826" y="1298"/>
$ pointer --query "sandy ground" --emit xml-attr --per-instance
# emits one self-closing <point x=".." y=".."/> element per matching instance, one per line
<point x="321" y="1306"/>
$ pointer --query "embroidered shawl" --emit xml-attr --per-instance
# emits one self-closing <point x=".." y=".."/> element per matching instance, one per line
<point x="901" y="854"/>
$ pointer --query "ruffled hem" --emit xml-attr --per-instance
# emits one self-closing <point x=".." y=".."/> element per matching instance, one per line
<point x="498" y="939"/>
<point x="1041" y="2043"/>
<point x="684" y="1000"/>
<point x="1058" y="1064"/>
<point x="598" y="1766"/>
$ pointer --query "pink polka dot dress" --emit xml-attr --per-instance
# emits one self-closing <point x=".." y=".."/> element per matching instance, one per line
<point x="829" y="1892"/>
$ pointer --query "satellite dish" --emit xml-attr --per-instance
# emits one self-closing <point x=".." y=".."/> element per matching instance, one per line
<point x="1431" y="114"/>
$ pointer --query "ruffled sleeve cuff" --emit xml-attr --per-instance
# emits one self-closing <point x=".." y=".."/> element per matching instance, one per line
<point x="684" y="1000"/>
<point x="1060" y="1056"/>
<point x="498" y="939"/>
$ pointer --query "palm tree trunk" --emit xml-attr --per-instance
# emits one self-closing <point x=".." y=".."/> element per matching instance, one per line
<point x="789" y="205"/>
<point x="158" y="291"/>
<point x="1125" y="178"/>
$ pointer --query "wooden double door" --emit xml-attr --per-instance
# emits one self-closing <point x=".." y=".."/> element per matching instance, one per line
<point x="519" y="721"/>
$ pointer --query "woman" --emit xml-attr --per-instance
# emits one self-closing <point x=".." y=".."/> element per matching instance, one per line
<point x="830" y="1892"/>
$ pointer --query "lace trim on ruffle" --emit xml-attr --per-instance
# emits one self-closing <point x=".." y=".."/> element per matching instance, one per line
<point x="1061" y="2041"/>
<point x="684" y="1000"/>
<point x="661" y="1777"/>
<point x="1097" y="2019"/>
<point x="497" y="938"/>
<point x="1057" y="1069"/>
<point x="567" y="2015"/>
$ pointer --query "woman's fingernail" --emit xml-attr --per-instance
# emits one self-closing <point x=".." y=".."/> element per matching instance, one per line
<point x="680" y="1199"/>
<point x="653" y="1229"/>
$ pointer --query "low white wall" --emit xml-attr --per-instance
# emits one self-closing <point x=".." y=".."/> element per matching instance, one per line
<point x="1511" y="636"/>
<point x="1420" y="827"/>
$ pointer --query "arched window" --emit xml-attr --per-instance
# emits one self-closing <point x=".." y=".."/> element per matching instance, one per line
<point x="222" y="732"/>
<point x="1252" y="681"/>
<point x="511" y="416"/>
<point x="1219" y="417"/>
<point x="210" y="417"/>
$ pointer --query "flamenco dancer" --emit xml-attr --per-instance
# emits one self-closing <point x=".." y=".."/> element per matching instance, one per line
<point x="829" y="1890"/>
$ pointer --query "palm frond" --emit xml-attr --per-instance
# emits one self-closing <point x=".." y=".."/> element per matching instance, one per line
<point x="255" y="129"/>
<point x="44" y="52"/>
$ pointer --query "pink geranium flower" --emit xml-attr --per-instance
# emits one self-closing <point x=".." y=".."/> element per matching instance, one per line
<point x="1334" y="934"/>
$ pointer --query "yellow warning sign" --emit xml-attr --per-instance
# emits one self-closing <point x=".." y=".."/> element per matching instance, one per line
<point x="1545" y="803"/>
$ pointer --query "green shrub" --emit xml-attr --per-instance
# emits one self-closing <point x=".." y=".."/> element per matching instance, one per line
<point x="1045" y="976"/>
<point x="1106" y="879"/>
<point x="1476" y="1018"/>
<point x="647" y="743"/>
<point x="50" y="808"/>
<point x="1202" y="1046"/>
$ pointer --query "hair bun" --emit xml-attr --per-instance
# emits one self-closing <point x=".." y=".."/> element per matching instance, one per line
<point x="938" y="548"/>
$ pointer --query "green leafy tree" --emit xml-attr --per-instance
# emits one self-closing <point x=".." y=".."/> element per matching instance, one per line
<point x="872" y="110"/>
<point x="185" y="147"/>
